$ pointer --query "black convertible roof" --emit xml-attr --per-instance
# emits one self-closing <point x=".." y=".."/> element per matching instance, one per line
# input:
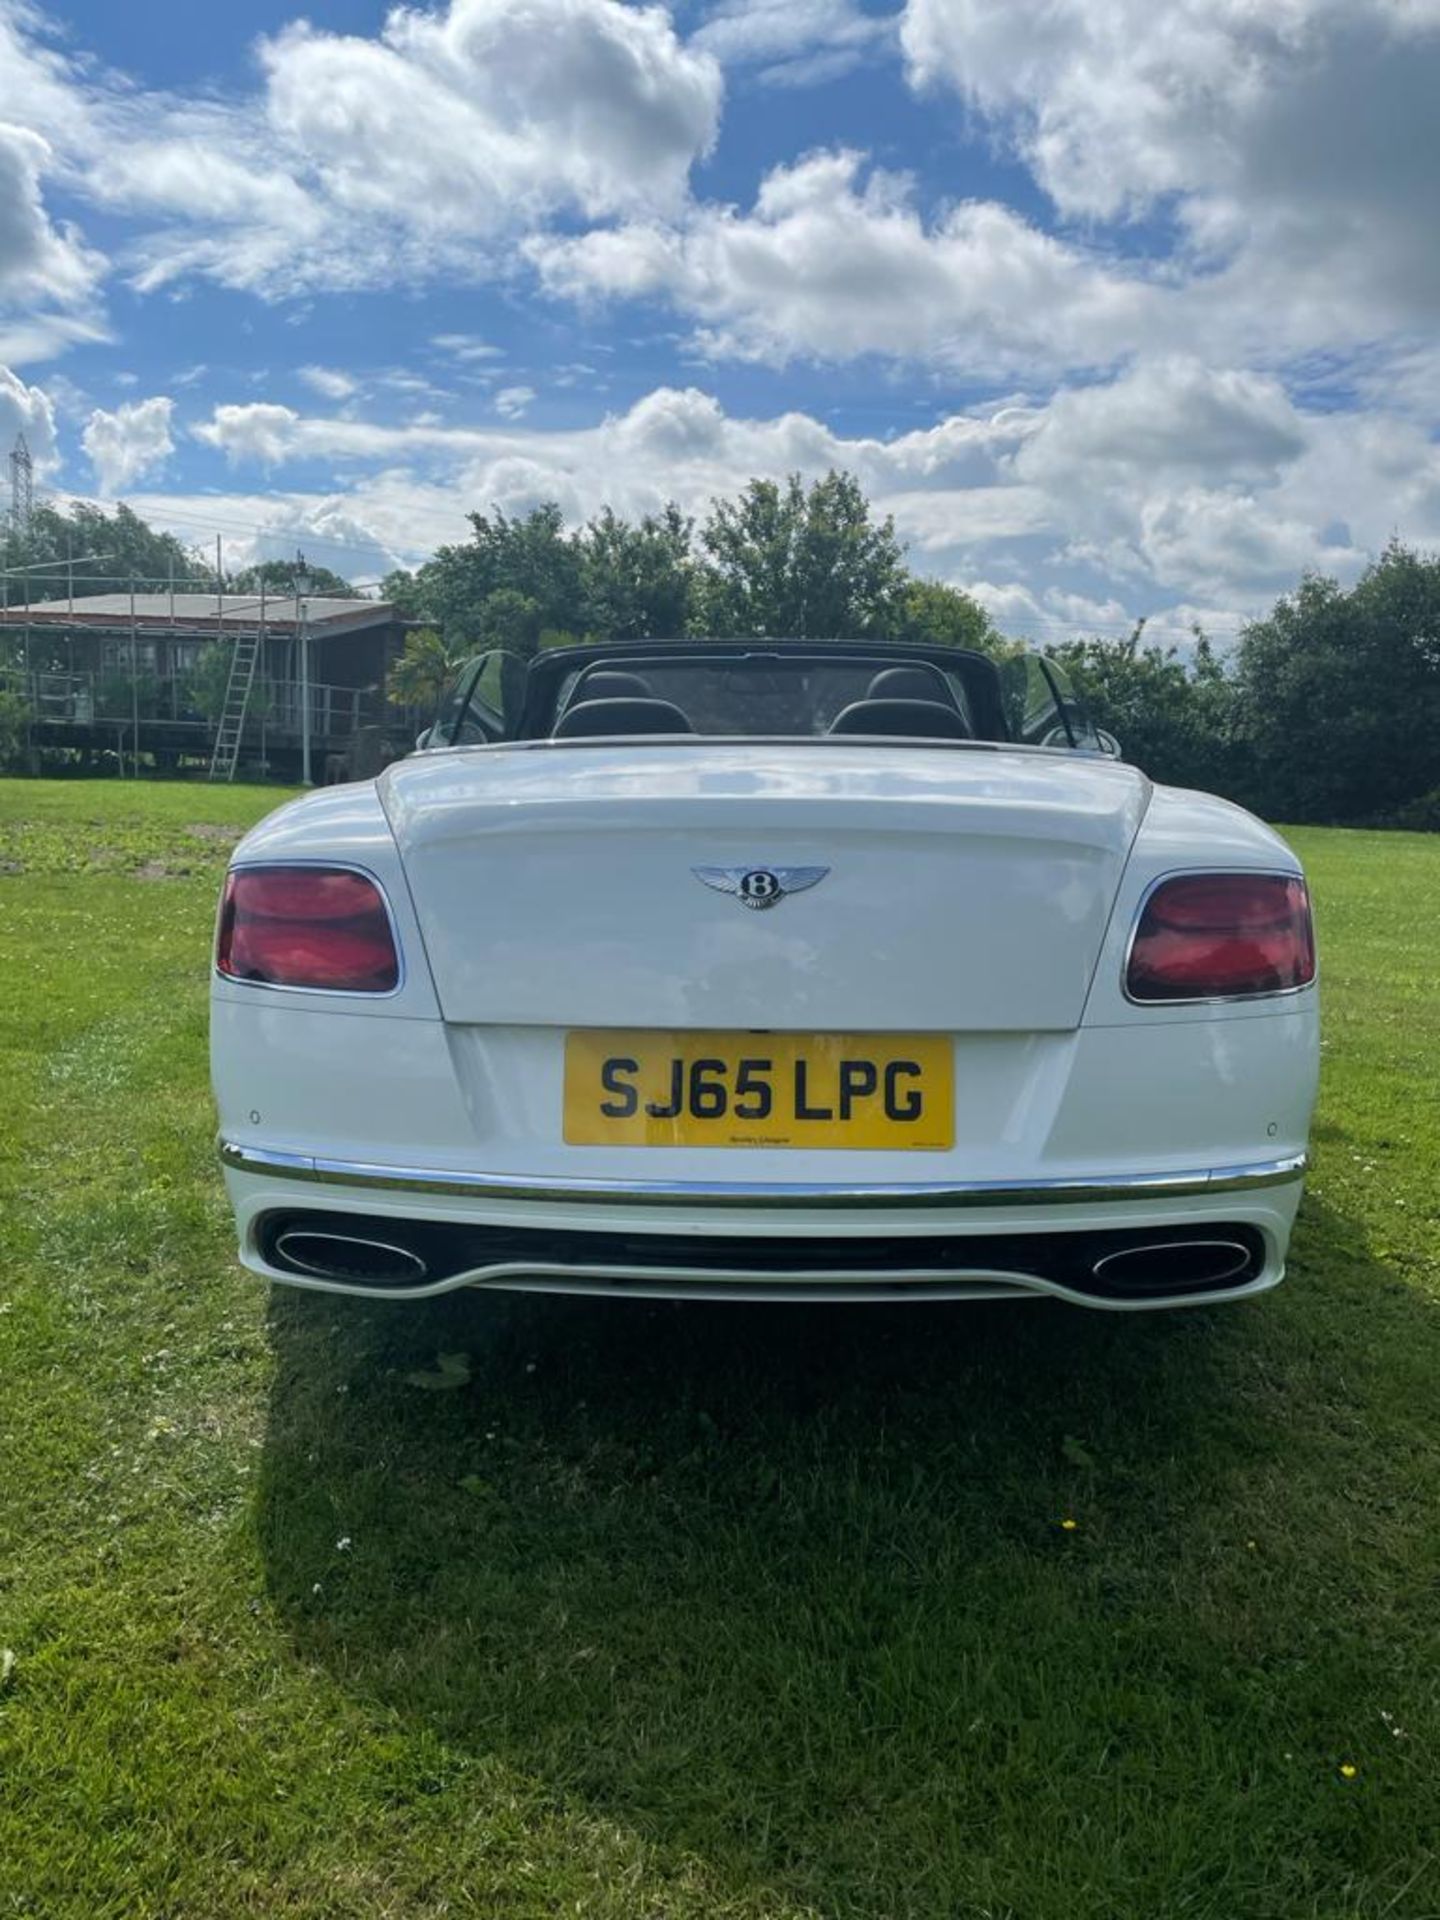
<point x="562" y="660"/>
<point x="546" y="670"/>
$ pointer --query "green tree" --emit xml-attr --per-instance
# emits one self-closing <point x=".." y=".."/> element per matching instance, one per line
<point x="510" y="619"/>
<point x="1172" y="716"/>
<point x="1339" y="694"/>
<point x="126" y="548"/>
<point x="278" y="577"/>
<point x="636" y="580"/>
<point x="801" y="561"/>
<point x="942" y="615"/>
<point x="423" y="671"/>
<point x="120" y="693"/>
<point x="531" y="557"/>
<point x="401" y="590"/>
<point x="208" y="683"/>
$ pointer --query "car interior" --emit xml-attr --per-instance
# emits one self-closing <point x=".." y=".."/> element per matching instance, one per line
<point x="770" y="690"/>
<point x="912" y="701"/>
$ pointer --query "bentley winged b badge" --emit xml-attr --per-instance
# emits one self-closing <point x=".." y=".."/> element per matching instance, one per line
<point x="760" y="887"/>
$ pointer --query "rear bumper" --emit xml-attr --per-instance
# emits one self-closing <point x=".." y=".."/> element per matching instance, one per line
<point x="769" y="1240"/>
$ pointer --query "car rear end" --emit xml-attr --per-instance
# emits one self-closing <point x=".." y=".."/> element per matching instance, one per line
<point x="1006" y="1041"/>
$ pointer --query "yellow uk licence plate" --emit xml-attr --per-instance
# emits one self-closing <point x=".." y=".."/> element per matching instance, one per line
<point x="675" y="1089"/>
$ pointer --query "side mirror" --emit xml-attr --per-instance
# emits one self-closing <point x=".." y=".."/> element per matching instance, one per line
<point x="1109" y="745"/>
<point x="422" y="740"/>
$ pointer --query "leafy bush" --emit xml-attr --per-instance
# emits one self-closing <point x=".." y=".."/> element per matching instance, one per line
<point x="1421" y="815"/>
<point x="1338" y="695"/>
<point x="12" y="731"/>
<point x="119" y="695"/>
<point x="423" y="671"/>
<point x="202" y="690"/>
<point x="1173" y="717"/>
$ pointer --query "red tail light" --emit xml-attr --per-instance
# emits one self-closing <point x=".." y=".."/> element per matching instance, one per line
<point x="319" y="927"/>
<point x="1211" y="936"/>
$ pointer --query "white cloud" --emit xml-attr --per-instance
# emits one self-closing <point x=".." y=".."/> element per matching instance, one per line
<point x="414" y="386"/>
<point x="834" y="263"/>
<point x="329" y="382"/>
<point x="30" y="411"/>
<point x="47" y="274"/>
<point x="131" y="442"/>
<point x="332" y="530"/>
<point x="332" y="534"/>
<point x="940" y="520"/>
<point x="260" y="430"/>
<point x="1174" y="486"/>
<point x="70" y="401"/>
<point x="1240" y="388"/>
<point x="1037" y="616"/>
<point x="37" y="263"/>
<point x="31" y="337"/>
<point x="1233" y="541"/>
<point x="465" y="347"/>
<point x="415" y="152"/>
<point x="1297" y="143"/>
<point x="1285" y="158"/>
<point x="452" y="119"/>
<point x="511" y="402"/>
<point x="218" y="206"/>
<point x="1213" y="484"/>
<point x="1167" y="419"/>
<point x="362" y="159"/>
<point x="1407" y="376"/>
<point x="36" y="82"/>
<point x="794" y="42"/>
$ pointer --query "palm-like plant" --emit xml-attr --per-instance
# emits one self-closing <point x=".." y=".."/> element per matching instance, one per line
<point x="422" y="672"/>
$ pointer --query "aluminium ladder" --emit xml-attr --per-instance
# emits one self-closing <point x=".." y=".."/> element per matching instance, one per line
<point x="226" y="752"/>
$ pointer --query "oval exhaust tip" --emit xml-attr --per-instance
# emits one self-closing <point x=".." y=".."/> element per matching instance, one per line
<point x="1174" y="1266"/>
<point x="352" y="1257"/>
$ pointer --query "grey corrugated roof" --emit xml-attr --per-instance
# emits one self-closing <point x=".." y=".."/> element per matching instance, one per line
<point x="199" y="609"/>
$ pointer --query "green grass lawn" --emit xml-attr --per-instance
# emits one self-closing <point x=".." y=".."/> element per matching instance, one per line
<point x="673" y="1612"/>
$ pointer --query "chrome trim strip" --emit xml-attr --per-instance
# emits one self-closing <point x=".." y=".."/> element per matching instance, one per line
<point x="734" y="1193"/>
<point x="679" y="1283"/>
<point x="407" y="1255"/>
<point x="1148" y="1248"/>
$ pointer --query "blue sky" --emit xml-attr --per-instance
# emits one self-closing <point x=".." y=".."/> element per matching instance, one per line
<point x="1120" y="310"/>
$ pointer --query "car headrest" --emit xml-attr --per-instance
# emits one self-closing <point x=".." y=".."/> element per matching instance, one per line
<point x="610" y="684"/>
<point x="901" y="719"/>
<point x="593" y="718"/>
<point x="909" y="683"/>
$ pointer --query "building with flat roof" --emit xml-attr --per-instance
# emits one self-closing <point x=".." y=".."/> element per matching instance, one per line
<point x="168" y="674"/>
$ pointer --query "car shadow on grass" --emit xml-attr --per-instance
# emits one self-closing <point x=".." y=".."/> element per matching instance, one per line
<point x="847" y="1604"/>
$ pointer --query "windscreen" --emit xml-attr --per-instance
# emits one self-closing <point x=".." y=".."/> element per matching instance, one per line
<point x="765" y="695"/>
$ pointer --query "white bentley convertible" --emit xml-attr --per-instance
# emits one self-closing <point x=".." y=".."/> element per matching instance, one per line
<point x="766" y="970"/>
